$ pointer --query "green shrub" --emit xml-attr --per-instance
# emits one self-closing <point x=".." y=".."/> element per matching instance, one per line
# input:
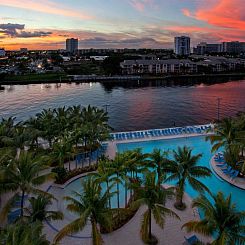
<point x="61" y="174"/>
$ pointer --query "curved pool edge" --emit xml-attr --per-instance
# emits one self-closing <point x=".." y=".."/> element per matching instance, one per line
<point x="224" y="177"/>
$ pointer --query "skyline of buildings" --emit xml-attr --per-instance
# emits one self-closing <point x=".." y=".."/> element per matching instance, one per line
<point x="43" y="25"/>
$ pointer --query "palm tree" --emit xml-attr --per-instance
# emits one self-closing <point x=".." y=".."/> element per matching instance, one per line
<point x="154" y="198"/>
<point x="34" y="129"/>
<point x="24" y="234"/>
<point x="91" y="205"/>
<point x="48" y="127"/>
<point x="225" y="135"/>
<point x="103" y="175"/>
<point x="38" y="209"/>
<point x="23" y="176"/>
<point x="61" y="119"/>
<point x="63" y="149"/>
<point x="118" y="171"/>
<point x="221" y="220"/>
<point x="184" y="169"/>
<point x="159" y="162"/>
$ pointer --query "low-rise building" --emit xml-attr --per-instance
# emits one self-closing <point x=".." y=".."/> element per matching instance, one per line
<point x="182" y="66"/>
<point x="158" y="66"/>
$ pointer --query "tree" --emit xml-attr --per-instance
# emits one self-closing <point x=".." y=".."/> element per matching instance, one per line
<point x="118" y="171"/>
<point x="48" y="127"/>
<point x="184" y="169"/>
<point x="103" y="174"/>
<point x="23" y="176"/>
<point x="38" y="209"/>
<point x="225" y="136"/>
<point x="154" y="198"/>
<point x="159" y="161"/>
<point x="91" y="205"/>
<point x="221" y="220"/>
<point x="62" y="150"/>
<point x="24" y="234"/>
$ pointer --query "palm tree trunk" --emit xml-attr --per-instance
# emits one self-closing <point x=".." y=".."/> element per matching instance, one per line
<point x="69" y="164"/>
<point x="22" y="204"/>
<point x="97" y="239"/>
<point x="107" y="184"/>
<point x="118" y="198"/>
<point x="149" y="224"/>
<point x="126" y="194"/>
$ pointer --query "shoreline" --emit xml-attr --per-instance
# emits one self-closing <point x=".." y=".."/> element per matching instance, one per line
<point x="123" y="78"/>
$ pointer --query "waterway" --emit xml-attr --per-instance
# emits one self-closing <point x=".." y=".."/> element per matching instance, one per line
<point x="132" y="105"/>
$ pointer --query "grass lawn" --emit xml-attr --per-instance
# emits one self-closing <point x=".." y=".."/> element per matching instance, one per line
<point x="36" y="77"/>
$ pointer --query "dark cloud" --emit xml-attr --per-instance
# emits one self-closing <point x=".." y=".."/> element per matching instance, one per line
<point x="17" y="30"/>
<point x="100" y="42"/>
<point x="63" y="35"/>
<point x="25" y="34"/>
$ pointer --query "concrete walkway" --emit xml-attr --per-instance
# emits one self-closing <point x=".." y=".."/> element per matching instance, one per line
<point x="129" y="234"/>
<point x="237" y="181"/>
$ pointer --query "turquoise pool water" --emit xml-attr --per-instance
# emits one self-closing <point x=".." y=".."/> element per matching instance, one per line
<point x="199" y="145"/>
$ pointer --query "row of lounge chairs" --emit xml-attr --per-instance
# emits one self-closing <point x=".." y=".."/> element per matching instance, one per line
<point x="161" y="132"/>
<point x="225" y="168"/>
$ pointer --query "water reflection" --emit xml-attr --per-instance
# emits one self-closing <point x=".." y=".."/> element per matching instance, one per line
<point x="133" y="105"/>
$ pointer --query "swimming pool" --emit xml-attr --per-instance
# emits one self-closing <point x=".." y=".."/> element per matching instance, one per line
<point x="199" y="145"/>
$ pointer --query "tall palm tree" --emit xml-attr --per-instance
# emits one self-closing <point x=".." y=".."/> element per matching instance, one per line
<point x="184" y="169"/>
<point x="61" y="119"/>
<point x="34" y="129"/>
<point x="225" y="135"/>
<point x="63" y="149"/>
<point x="47" y="121"/>
<point x="102" y="175"/>
<point x="118" y="171"/>
<point x="221" y="220"/>
<point x="154" y="198"/>
<point x="38" y="209"/>
<point x="91" y="205"/>
<point x="159" y="161"/>
<point x="24" y="234"/>
<point x="23" y="176"/>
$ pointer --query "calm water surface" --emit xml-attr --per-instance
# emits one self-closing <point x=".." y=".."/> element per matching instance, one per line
<point x="139" y="106"/>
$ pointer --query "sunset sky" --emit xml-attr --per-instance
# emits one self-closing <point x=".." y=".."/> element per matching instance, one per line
<point x="45" y="24"/>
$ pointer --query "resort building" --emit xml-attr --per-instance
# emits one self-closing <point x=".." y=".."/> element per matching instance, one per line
<point x="158" y="66"/>
<point x="182" y="66"/>
<point x="182" y="45"/>
<point x="71" y="45"/>
<point x="233" y="47"/>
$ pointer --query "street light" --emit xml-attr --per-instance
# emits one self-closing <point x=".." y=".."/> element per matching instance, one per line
<point x="106" y="106"/>
<point x="218" y="108"/>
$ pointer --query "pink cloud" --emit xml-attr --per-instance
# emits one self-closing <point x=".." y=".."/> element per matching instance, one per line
<point x="46" y="6"/>
<point x="140" y="5"/>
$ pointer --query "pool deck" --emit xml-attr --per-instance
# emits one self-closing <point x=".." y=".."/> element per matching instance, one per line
<point x="238" y="182"/>
<point x="129" y="234"/>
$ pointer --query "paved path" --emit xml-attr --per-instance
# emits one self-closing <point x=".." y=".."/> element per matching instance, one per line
<point x="129" y="234"/>
<point x="238" y="182"/>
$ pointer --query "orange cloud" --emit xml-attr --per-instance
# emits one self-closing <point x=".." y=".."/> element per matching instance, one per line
<point x="223" y="13"/>
<point x="46" y="6"/>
